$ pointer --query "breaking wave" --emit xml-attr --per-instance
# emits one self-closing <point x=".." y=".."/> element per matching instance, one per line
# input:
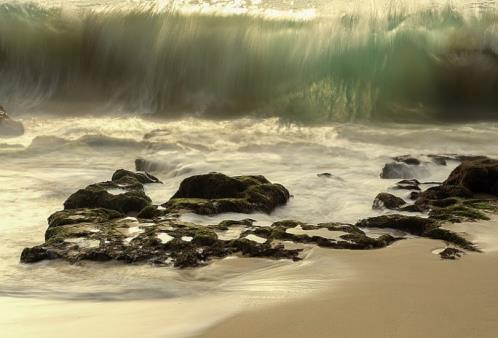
<point x="405" y="65"/>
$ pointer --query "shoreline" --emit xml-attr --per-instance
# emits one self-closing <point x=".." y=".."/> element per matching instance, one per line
<point x="399" y="291"/>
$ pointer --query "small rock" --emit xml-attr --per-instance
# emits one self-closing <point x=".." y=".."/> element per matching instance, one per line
<point x="388" y="201"/>
<point x="451" y="253"/>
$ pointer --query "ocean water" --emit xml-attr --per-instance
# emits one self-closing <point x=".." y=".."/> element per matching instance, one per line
<point x="285" y="89"/>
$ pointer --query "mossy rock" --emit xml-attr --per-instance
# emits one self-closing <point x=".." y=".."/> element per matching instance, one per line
<point x="132" y="201"/>
<point x="217" y="193"/>
<point x="388" y="201"/>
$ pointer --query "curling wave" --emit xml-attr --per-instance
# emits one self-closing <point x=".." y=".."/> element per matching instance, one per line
<point x="428" y="64"/>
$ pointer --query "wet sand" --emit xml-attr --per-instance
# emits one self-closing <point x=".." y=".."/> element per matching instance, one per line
<point x="400" y="291"/>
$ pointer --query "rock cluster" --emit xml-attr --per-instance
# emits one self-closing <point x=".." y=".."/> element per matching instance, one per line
<point x="116" y="220"/>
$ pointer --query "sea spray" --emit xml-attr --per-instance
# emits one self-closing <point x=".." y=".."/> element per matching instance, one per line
<point x="398" y="64"/>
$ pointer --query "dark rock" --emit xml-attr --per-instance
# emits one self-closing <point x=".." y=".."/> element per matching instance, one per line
<point x="326" y="175"/>
<point x="412" y="208"/>
<point x="142" y="177"/>
<point x="414" y="195"/>
<point x="216" y="193"/>
<point x="424" y="227"/>
<point x="477" y="175"/>
<point x="151" y="212"/>
<point x="388" y="201"/>
<point x="36" y="254"/>
<point x="132" y="201"/>
<point x="410" y="224"/>
<point x="8" y="126"/>
<point x="442" y="192"/>
<point x="451" y="253"/>
<point x="457" y="214"/>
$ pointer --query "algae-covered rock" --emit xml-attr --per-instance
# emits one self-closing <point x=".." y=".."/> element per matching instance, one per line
<point x="410" y="224"/>
<point x="131" y="201"/>
<point x="424" y="227"/>
<point x="388" y="201"/>
<point x="216" y="193"/>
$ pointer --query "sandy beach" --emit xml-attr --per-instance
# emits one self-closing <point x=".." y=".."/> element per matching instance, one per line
<point x="400" y="291"/>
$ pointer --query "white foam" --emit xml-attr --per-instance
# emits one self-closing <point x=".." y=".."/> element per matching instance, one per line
<point x="164" y="237"/>
<point x="255" y="238"/>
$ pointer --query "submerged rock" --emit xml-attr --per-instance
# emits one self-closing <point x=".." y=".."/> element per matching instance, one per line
<point x="388" y="201"/>
<point x="216" y="193"/>
<point x="408" y="159"/>
<point x="8" y="126"/>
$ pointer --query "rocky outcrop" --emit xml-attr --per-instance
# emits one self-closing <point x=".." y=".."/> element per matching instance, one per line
<point x="217" y="193"/>
<point x="8" y="126"/>
<point x="477" y="175"/>
<point x="124" y="193"/>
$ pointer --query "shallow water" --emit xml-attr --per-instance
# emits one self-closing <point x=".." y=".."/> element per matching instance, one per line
<point x="81" y="151"/>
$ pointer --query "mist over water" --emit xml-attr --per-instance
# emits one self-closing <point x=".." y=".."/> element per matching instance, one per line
<point x="311" y="62"/>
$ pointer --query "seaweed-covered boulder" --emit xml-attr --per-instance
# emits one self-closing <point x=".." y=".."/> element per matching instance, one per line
<point x="216" y="193"/>
<point x="8" y="126"/>
<point x="388" y="201"/>
<point x="142" y="177"/>
<point x="418" y="226"/>
<point x="410" y="224"/>
<point x="477" y="175"/>
<point x="131" y="201"/>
